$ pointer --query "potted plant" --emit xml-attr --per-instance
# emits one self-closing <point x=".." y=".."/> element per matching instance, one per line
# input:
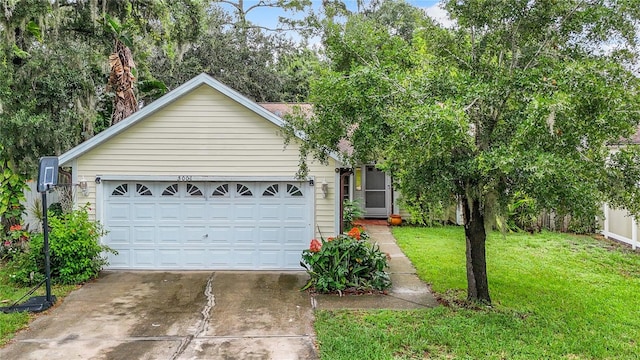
<point x="395" y="219"/>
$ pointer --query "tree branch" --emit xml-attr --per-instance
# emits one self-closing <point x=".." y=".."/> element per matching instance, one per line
<point x="468" y="107"/>
<point x="261" y="3"/>
<point x="277" y="29"/>
<point x="235" y="5"/>
<point x="462" y="61"/>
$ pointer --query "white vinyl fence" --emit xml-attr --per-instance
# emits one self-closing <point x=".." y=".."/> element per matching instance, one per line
<point x="619" y="225"/>
<point x="33" y="204"/>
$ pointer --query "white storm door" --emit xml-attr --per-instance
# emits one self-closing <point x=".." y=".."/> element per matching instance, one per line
<point x="377" y="190"/>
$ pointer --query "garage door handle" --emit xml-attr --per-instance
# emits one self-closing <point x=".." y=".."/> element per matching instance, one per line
<point x="205" y="236"/>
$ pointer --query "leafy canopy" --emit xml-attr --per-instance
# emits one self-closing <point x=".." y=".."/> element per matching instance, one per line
<point x="519" y="97"/>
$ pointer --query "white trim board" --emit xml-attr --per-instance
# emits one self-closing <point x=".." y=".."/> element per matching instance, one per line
<point x="184" y="178"/>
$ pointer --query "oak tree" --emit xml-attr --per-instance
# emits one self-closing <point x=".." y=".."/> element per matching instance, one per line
<point x="515" y="97"/>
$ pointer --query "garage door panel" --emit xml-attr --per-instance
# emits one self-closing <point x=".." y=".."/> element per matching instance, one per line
<point x="169" y="258"/>
<point x="195" y="258"/>
<point x="195" y="212"/>
<point x="144" y="234"/>
<point x="295" y="212"/>
<point x="169" y="235"/>
<point x="291" y="259"/>
<point x="243" y="258"/>
<point x="246" y="212"/>
<point x="168" y="211"/>
<point x="119" y="235"/>
<point x="220" y="211"/>
<point x="195" y="234"/>
<point x="270" y="212"/>
<point x="221" y="235"/>
<point x="244" y="235"/>
<point x="271" y="235"/>
<point x="219" y="258"/>
<point x="143" y="258"/>
<point x="269" y="259"/>
<point x="232" y="225"/>
<point x="144" y="212"/>
<point x="292" y="235"/>
<point x="118" y="212"/>
<point x="122" y="260"/>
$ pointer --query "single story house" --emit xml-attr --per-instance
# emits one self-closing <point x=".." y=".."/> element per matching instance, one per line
<point x="200" y="179"/>
<point x="370" y="187"/>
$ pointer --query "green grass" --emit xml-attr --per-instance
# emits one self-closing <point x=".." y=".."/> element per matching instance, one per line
<point x="555" y="296"/>
<point x="9" y="293"/>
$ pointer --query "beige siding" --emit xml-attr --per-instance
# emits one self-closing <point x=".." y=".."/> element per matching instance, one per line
<point x="204" y="133"/>
<point x="404" y="213"/>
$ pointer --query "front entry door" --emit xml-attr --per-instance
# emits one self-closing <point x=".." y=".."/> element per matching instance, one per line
<point x="377" y="193"/>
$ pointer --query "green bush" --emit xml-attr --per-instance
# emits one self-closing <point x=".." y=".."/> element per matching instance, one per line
<point x="55" y="209"/>
<point x="427" y="213"/>
<point x="351" y="212"/>
<point x="523" y="213"/>
<point x="346" y="262"/>
<point x="75" y="251"/>
<point x="27" y="267"/>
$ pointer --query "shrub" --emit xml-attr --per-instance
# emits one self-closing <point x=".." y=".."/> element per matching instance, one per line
<point x="27" y="267"/>
<point x="75" y="251"/>
<point x="522" y="213"/>
<point x="427" y="213"/>
<point x="351" y="212"/>
<point x="345" y="263"/>
<point x="55" y="209"/>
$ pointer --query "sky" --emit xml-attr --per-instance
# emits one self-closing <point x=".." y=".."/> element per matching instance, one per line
<point x="268" y="17"/>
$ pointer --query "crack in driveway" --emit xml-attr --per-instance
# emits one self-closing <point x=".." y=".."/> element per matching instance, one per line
<point x="203" y="323"/>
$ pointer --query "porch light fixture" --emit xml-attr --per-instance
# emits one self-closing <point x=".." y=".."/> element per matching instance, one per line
<point x="84" y="186"/>
<point x="325" y="188"/>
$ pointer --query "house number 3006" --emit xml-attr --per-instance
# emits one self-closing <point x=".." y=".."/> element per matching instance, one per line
<point x="184" y="178"/>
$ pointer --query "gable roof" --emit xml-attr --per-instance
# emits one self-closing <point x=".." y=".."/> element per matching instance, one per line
<point x="281" y="109"/>
<point x="168" y="98"/>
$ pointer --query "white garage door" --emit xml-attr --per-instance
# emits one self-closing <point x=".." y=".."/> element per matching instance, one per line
<point x="207" y="225"/>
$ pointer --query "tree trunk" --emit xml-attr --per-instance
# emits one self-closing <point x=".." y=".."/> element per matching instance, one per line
<point x="477" y="284"/>
<point x="121" y="81"/>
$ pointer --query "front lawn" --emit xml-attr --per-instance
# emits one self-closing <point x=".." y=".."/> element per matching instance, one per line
<point x="9" y="293"/>
<point x="555" y="296"/>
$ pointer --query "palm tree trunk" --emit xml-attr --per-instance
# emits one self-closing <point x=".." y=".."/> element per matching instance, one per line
<point x="121" y="81"/>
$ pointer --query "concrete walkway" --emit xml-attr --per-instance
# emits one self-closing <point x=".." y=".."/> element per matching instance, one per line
<point x="407" y="291"/>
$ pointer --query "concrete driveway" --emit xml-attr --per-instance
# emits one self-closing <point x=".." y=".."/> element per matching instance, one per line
<point x="176" y="315"/>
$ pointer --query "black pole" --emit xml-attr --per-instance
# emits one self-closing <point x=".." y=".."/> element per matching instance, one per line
<point x="45" y="231"/>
